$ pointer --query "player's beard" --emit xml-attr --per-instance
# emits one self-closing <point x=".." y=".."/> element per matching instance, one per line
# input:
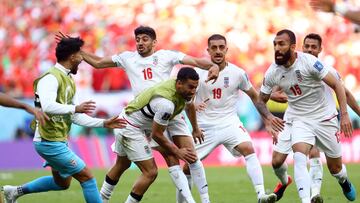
<point x="285" y="57"/>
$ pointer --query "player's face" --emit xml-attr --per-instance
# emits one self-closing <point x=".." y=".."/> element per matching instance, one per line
<point x="282" y="49"/>
<point x="187" y="89"/>
<point x="75" y="60"/>
<point x="144" y="44"/>
<point x="311" y="46"/>
<point x="217" y="50"/>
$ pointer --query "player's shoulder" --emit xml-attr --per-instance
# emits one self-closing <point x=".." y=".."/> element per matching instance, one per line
<point x="128" y="54"/>
<point x="165" y="52"/>
<point x="234" y="68"/>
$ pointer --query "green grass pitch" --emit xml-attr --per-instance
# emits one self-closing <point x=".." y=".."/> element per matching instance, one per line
<point x="226" y="185"/>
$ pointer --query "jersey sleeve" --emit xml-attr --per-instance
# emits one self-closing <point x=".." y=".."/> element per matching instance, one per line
<point x="175" y="57"/>
<point x="334" y="72"/>
<point x="268" y="82"/>
<point x="120" y="59"/>
<point x="317" y="68"/>
<point x="163" y="109"/>
<point x="245" y="83"/>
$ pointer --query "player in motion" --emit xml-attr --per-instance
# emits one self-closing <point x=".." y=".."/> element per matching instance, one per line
<point x="309" y="118"/>
<point x="145" y="67"/>
<point x="217" y="114"/>
<point x="151" y="111"/>
<point x="312" y="44"/>
<point x="55" y="94"/>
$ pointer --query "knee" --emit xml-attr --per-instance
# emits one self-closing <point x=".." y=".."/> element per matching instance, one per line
<point x="277" y="162"/>
<point x="63" y="184"/>
<point x="151" y="174"/>
<point x="334" y="168"/>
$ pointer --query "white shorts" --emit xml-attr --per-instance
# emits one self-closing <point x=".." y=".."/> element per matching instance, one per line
<point x="228" y="135"/>
<point x="323" y="134"/>
<point x="132" y="143"/>
<point x="177" y="127"/>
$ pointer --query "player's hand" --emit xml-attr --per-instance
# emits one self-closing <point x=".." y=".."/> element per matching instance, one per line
<point x="323" y="5"/>
<point x="198" y="134"/>
<point x="273" y="126"/>
<point x="39" y="115"/>
<point x="213" y="73"/>
<point x="59" y="36"/>
<point x="115" y="122"/>
<point x="279" y="96"/>
<point x="345" y="125"/>
<point x="186" y="155"/>
<point x="86" y="107"/>
<point x="201" y="106"/>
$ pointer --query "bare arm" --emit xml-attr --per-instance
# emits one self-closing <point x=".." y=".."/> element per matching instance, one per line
<point x="278" y="95"/>
<point x="191" y="113"/>
<point x="351" y="101"/>
<point x="203" y="64"/>
<point x="8" y="101"/>
<point x="330" y="6"/>
<point x="336" y="85"/>
<point x="96" y="61"/>
<point x="158" y="135"/>
<point x="273" y="124"/>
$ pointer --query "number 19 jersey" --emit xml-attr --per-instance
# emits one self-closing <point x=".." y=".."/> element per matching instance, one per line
<point x="221" y="96"/>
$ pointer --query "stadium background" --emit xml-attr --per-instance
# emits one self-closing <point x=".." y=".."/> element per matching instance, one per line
<point x="27" y="43"/>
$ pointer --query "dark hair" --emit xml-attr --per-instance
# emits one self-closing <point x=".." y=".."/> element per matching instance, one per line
<point x="186" y="73"/>
<point x="289" y="33"/>
<point x="216" y="37"/>
<point x="145" y="30"/>
<point x="315" y="37"/>
<point x="68" y="46"/>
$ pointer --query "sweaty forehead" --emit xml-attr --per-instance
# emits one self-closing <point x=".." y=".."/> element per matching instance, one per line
<point x="217" y="42"/>
<point x="311" y="41"/>
<point x="142" y="36"/>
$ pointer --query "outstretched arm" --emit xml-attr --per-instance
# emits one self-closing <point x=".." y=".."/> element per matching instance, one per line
<point x="8" y="101"/>
<point x="203" y="64"/>
<point x="330" y="6"/>
<point x="96" y="61"/>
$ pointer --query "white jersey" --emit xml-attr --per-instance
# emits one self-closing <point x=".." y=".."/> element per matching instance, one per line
<point x="222" y="95"/>
<point x="162" y="109"/>
<point x="145" y="72"/>
<point x="302" y="83"/>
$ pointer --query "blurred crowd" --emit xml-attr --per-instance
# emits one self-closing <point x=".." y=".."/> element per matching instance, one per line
<point x="28" y="28"/>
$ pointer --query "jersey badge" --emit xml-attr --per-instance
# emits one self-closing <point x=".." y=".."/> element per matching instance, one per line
<point x="155" y="60"/>
<point x="226" y="82"/>
<point x="298" y="75"/>
<point x="318" y="65"/>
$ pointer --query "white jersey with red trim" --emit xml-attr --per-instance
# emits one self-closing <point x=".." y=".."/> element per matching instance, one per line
<point x="145" y="72"/>
<point x="221" y="97"/>
<point x="302" y="83"/>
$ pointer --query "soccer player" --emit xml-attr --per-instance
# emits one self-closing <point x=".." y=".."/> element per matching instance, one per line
<point x="146" y="67"/>
<point x="151" y="110"/>
<point x="312" y="44"/>
<point x="338" y="8"/>
<point x="309" y="118"/>
<point x="55" y="95"/>
<point x="217" y="114"/>
<point x="8" y="101"/>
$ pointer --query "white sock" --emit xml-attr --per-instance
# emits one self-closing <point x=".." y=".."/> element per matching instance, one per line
<point x="305" y="200"/>
<point x="342" y="175"/>
<point x="106" y="190"/>
<point x="302" y="177"/>
<point x="130" y="199"/>
<point x="198" y="174"/>
<point x="281" y="173"/>
<point x="255" y="173"/>
<point x="179" y="197"/>
<point x="178" y="177"/>
<point x="316" y="175"/>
